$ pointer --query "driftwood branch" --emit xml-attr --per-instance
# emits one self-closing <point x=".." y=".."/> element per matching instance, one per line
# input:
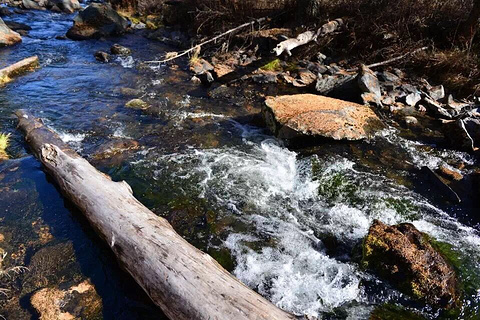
<point x="303" y="38"/>
<point x="192" y="49"/>
<point x="183" y="281"/>
<point x="382" y="63"/>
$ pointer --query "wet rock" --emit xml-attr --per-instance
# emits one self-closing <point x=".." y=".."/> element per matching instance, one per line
<point x="412" y="99"/>
<point x="17" y="26"/>
<point x="77" y="302"/>
<point x="66" y="6"/>
<point x="437" y="92"/>
<point x="404" y="256"/>
<point x="96" y="21"/>
<point x="368" y="82"/>
<point x="5" y="12"/>
<point x="138" y="104"/>
<point x="115" y="147"/>
<point x="61" y="37"/>
<point x="458" y="136"/>
<point x="120" y="50"/>
<point x="17" y="69"/>
<point x="314" y="115"/>
<point x="8" y="37"/>
<point x="102" y="56"/>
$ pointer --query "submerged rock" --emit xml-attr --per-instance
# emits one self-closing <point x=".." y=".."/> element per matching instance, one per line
<point x="96" y="21"/>
<point x="115" y="147"/>
<point x="102" y="56"/>
<point x="78" y="302"/>
<point x="404" y="256"/>
<point x="138" y="104"/>
<point x="120" y="50"/>
<point x="314" y="115"/>
<point x="8" y="37"/>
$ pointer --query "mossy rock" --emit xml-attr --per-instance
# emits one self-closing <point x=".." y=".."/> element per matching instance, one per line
<point x="404" y="256"/>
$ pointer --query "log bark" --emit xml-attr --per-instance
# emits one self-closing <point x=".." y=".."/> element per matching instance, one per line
<point x="18" y="68"/>
<point x="183" y="281"/>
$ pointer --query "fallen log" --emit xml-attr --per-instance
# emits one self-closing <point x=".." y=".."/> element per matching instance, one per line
<point x="183" y="281"/>
<point x="17" y="69"/>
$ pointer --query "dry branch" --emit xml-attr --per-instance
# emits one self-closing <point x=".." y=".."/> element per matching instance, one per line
<point x="382" y="63"/>
<point x="183" y="281"/>
<point x="210" y="40"/>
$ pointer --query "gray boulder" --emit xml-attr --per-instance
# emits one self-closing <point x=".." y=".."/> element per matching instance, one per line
<point x="368" y="82"/>
<point x="96" y="21"/>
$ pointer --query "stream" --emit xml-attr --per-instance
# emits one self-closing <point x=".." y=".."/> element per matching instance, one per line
<point x="287" y="222"/>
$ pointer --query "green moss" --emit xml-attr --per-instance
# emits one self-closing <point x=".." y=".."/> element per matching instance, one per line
<point x="403" y="207"/>
<point x="277" y="65"/>
<point x="4" y="142"/>
<point x="223" y="257"/>
<point x="393" y="312"/>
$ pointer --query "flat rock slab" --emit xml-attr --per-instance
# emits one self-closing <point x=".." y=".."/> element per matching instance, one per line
<point x="17" y="69"/>
<point x="314" y="115"/>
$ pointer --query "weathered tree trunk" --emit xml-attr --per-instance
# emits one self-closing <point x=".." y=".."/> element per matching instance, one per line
<point x="469" y="27"/>
<point x="184" y="282"/>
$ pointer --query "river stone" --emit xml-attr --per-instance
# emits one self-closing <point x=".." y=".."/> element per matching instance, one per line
<point x="314" y="115"/>
<point x="115" y="147"/>
<point x="66" y="6"/>
<point x="96" y="21"/>
<point x="120" y="50"/>
<point x="77" y="302"/>
<point x="138" y="104"/>
<point x="404" y="256"/>
<point x="5" y="12"/>
<point x="102" y="56"/>
<point x="8" y="37"/>
<point x="17" y="26"/>
<point x="368" y="82"/>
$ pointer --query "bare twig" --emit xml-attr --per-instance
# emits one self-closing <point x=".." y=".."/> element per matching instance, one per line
<point x="211" y="40"/>
<point x="382" y="63"/>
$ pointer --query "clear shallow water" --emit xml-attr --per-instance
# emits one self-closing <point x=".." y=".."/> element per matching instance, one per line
<point x="288" y="223"/>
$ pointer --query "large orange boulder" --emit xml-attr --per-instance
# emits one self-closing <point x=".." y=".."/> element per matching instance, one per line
<point x="314" y="115"/>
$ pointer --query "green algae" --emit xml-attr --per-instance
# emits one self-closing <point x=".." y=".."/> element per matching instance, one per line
<point x="393" y="312"/>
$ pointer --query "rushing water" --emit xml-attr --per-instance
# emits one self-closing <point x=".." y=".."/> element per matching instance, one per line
<point x="288" y="223"/>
